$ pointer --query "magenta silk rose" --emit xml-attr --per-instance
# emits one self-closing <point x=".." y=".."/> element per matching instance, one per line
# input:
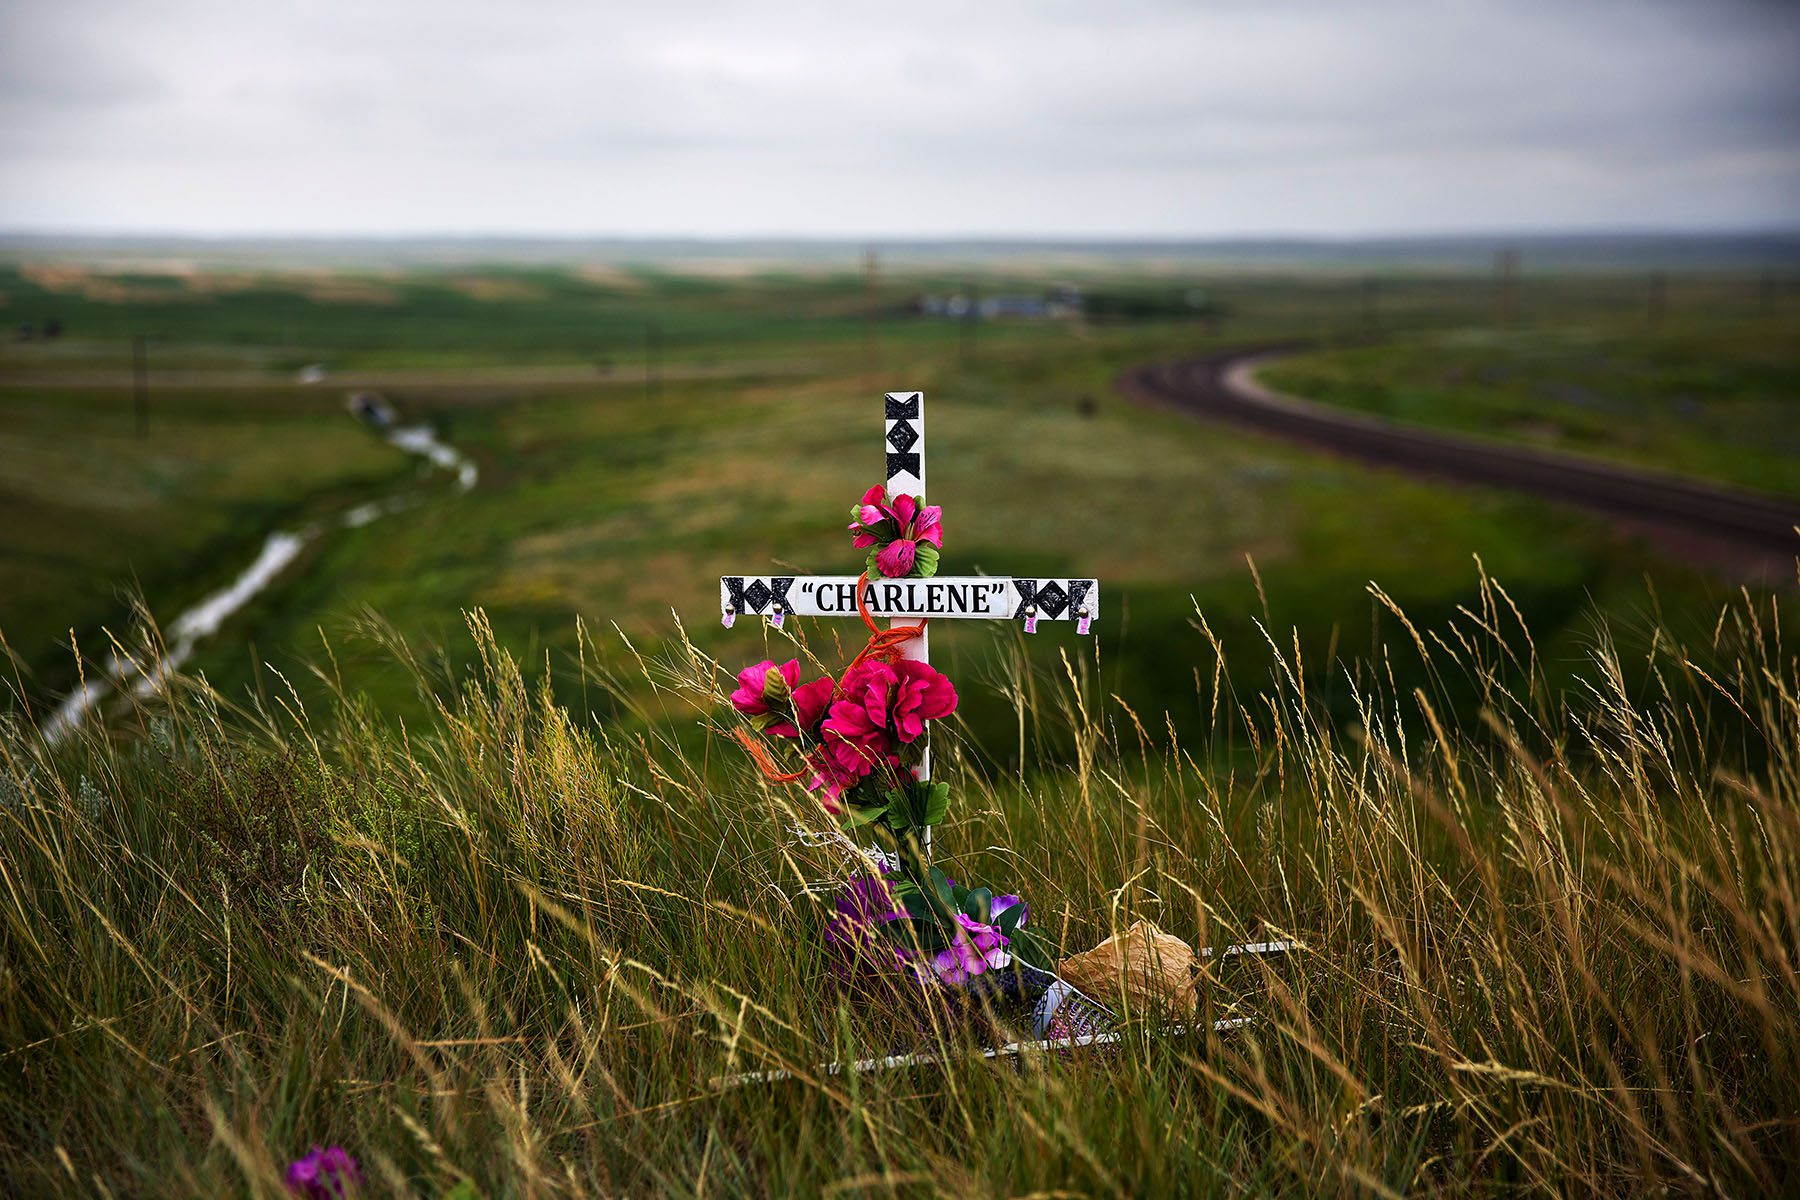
<point x="880" y="707"/>
<point x="856" y="727"/>
<point x="921" y="694"/>
<point x="811" y="701"/>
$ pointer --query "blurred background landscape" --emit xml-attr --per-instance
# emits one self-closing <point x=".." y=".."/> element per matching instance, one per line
<point x="638" y="282"/>
<point x="245" y="268"/>
<point x="627" y="421"/>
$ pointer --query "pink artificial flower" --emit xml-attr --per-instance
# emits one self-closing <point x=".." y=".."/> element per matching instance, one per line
<point x="810" y="702"/>
<point x="868" y="514"/>
<point x="829" y="782"/>
<point x="764" y="688"/>
<point x="853" y="746"/>
<point x="929" y="525"/>
<point x="873" y="509"/>
<point x="899" y="525"/>
<point x="922" y="694"/>
<point x="896" y="558"/>
<point x="832" y="777"/>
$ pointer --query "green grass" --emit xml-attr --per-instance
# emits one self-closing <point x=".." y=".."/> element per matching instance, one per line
<point x="1693" y="398"/>
<point x="501" y="951"/>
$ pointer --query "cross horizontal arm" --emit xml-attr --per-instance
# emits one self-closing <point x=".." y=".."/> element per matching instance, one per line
<point x="980" y="597"/>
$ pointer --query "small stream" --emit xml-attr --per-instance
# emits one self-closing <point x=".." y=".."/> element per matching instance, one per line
<point x="279" y="549"/>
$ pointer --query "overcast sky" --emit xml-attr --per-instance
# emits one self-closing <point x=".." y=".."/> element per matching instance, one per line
<point x="1140" y="118"/>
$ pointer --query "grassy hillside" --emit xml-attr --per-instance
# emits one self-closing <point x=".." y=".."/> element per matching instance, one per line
<point x="499" y="952"/>
<point x="439" y="851"/>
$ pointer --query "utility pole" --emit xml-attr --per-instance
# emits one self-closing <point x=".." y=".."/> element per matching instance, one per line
<point x="1506" y="276"/>
<point x="1657" y="298"/>
<point x="140" y="386"/>
<point x="871" y="319"/>
<point x="653" y="360"/>
<point x="970" y="316"/>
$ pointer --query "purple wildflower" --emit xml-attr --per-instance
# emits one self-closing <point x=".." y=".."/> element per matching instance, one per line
<point x="327" y="1173"/>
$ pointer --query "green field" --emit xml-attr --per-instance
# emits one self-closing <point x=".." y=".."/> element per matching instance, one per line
<point x="606" y="500"/>
<point x="1692" y="397"/>
<point x="440" y="849"/>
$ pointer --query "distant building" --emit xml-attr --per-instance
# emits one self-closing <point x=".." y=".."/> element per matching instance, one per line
<point x="1061" y="302"/>
<point x="1029" y="308"/>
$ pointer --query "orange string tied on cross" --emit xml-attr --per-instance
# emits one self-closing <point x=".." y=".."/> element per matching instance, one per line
<point x="884" y="644"/>
<point x="759" y="755"/>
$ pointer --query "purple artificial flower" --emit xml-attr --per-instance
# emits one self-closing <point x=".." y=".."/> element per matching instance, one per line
<point x="865" y="903"/>
<point x="1002" y="903"/>
<point x="977" y="948"/>
<point x="865" y="900"/>
<point x="327" y="1173"/>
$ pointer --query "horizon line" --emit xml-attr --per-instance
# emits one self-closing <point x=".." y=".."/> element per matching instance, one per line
<point x="1625" y="232"/>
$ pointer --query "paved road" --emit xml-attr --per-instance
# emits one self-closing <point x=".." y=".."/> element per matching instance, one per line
<point x="1224" y="386"/>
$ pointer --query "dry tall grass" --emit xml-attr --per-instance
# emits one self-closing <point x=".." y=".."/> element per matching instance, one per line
<point x="1551" y="951"/>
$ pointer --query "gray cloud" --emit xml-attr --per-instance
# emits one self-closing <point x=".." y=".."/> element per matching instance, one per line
<point x="1133" y="117"/>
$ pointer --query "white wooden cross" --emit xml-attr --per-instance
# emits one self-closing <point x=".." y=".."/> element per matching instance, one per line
<point x="1027" y="600"/>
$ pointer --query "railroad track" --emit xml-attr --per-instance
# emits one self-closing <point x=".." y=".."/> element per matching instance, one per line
<point x="1224" y="387"/>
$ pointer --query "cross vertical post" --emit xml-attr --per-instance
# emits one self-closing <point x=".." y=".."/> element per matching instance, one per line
<point x="903" y="447"/>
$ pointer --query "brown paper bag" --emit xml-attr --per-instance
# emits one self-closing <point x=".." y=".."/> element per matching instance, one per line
<point x="1153" y="969"/>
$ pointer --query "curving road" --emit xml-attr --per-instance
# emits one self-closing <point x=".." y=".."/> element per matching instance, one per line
<point x="1224" y="386"/>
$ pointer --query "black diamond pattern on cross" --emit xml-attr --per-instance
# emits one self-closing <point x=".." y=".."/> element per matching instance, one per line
<point x="759" y="595"/>
<point x="1051" y="599"/>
